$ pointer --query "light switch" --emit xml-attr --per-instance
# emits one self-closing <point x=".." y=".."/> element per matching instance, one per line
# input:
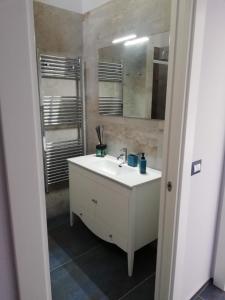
<point x="196" y="167"/>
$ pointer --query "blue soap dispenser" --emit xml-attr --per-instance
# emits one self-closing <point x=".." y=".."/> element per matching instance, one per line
<point x="143" y="164"/>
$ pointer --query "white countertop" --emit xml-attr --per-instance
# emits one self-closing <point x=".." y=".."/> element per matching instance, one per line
<point x="109" y="168"/>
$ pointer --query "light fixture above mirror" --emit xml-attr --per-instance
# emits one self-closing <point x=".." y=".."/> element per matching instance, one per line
<point x="137" y="41"/>
<point x="124" y="39"/>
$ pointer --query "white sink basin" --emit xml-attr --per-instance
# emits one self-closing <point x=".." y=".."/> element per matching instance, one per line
<point x="111" y="168"/>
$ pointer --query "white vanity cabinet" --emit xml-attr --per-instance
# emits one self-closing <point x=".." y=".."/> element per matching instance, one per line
<point x="125" y="216"/>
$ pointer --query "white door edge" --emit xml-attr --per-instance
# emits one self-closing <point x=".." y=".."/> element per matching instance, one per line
<point x="179" y="142"/>
<point x="219" y="259"/>
<point x="22" y="148"/>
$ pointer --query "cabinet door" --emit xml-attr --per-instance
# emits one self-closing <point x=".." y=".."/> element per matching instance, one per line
<point x="76" y="194"/>
<point x="112" y="208"/>
<point x="80" y="195"/>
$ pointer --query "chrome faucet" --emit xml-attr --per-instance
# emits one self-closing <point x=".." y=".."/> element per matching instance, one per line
<point x="123" y="155"/>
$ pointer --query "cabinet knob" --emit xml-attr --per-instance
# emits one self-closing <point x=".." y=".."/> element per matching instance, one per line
<point x="110" y="236"/>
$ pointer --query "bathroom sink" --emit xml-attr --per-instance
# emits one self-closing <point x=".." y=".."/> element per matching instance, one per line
<point x="116" y="202"/>
<point x="111" y="168"/>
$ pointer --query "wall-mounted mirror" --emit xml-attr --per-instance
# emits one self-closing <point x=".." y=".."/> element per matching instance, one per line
<point x="133" y="77"/>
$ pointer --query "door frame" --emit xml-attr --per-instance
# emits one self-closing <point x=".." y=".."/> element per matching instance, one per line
<point x="184" y="89"/>
<point x="219" y="266"/>
<point x="176" y="118"/>
<point x="176" y="166"/>
<point x="22" y="145"/>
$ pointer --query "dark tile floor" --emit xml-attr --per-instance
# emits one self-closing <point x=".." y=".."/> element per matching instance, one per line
<point x="84" y="267"/>
<point x="210" y="292"/>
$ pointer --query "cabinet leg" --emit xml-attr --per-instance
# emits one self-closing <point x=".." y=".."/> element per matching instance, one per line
<point x="71" y="219"/>
<point x="130" y="258"/>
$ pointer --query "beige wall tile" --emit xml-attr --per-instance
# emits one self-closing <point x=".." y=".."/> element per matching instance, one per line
<point x="101" y="26"/>
<point x="62" y="32"/>
<point x="58" y="31"/>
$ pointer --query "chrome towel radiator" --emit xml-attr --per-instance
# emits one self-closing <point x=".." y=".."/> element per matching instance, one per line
<point x="110" y="73"/>
<point x="56" y="155"/>
<point x="61" y="110"/>
<point x="61" y="113"/>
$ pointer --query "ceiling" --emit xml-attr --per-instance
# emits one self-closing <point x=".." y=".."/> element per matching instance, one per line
<point x="80" y="6"/>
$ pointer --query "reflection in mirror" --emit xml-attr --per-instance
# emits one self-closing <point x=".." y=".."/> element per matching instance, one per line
<point x="160" y="71"/>
<point x="110" y="76"/>
<point x="133" y="77"/>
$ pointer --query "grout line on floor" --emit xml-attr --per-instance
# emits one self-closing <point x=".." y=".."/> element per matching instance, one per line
<point x="75" y="258"/>
<point x="61" y="266"/>
<point x="55" y="226"/>
<point x="86" y="252"/>
<point x="203" y="289"/>
<point x="137" y="286"/>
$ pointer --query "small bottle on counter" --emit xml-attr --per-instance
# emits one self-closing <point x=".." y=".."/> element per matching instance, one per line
<point x="143" y="164"/>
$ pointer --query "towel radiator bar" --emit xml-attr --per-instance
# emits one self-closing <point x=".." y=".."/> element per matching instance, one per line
<point x="110" y="73"/>
<point x="110" y="106"/>
<point x="61" y="112"/>
<point x="56" y="159"/>
<point x="60" y="67"/>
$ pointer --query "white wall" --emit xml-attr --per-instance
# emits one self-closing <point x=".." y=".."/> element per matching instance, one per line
<point x="8" y="286"/>
<point x="196" y="247"/>
<point x="80" y="6"/>
<point x="22" y="147"/>
<point x="73" y="5"/>
<point x="88" y="5"/>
